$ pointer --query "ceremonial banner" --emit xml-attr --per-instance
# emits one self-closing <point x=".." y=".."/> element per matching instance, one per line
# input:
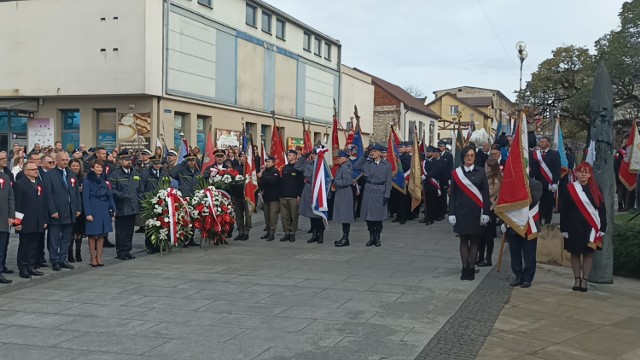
<point x="558" y="140"/>
<point x="184" y="150"/>
<point x="335" y="145"/>
<point x="307" y="146"/>
<point x="634" y="152"/>
<point x="277" y="148"/>
<point x="415" y="178"/>
<point x="321" y="183"/>
<point x="359" y="147"/>
<point x="208" y="158"/>
<point x="251" y="179"/>
<point x="514" y="197"/>
<point x="626" y="176"/>
<point x="397" y="173"/>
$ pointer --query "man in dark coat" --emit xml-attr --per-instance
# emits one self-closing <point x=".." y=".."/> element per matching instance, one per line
<point x="269" y="182"/>
<point x="153" y="178"/>
<point x="376" y="192"/>
<point x="240" y="203"/>
<point x="7" y="217"/>
<point x="483" y="154"/>
<point x="217" y="166"/>
<point x="542" y="162"/>
<point x="64" y="205"/>
<point x="31" y="203"/>
<point x="431" y="173"/>
<point x="4" y="165"/>
<point x="291" y="186"/>
<point x="127" y="193"/>
<point x="343" y="197"/>
<point x="304" y="164"/>
<point x="144" y="162"/>
<point x="187" y="175"/>
<point x="445" y="177"/>
<point x="403" y="205"/>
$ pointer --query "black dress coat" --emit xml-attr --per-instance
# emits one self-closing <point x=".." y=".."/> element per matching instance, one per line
<point x="63" y="196"/>
<point x="97" y="200"/>
<point x="127" y="191"/>
<point x="269" y="183"/>
<point x="466" y="211"/>
<point x="576" y="225"/>
<point x="31" y="201"/>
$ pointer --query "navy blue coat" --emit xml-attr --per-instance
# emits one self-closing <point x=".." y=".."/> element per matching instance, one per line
<point x="127" y="191"/>
<point x="32" y="203"/>
<point x="97" y="199"/>
<point x="62" y="197"/>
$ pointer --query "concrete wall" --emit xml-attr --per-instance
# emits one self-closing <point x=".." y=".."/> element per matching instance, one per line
<point x="356" y="90"/>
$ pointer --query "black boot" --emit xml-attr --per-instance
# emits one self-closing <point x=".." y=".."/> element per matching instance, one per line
<point x="70" y="257"/>
<point x="377" y="239"/>
<point x="78" y="255"/>
<point x="344" y="241"/>
<point x="320" y="236"/>
<point x="372" y="239"/>
<point x="292" y="238"/>
<point x="265" y="236"/>
<point x="340" y="240"/>
<point x="314" y="237"/>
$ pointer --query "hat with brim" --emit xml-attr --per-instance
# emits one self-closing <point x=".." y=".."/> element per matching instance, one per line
<point x="343" y="154"/>
<point x="146" y="152"/>
<point x="172" y="153"/>
<point x="156" y="160"/>
<point x="291" y="151"/>
<point x="377" y="147"/>
<point x="124" y="155"/>
<point x="219" y="152"/>
<point x="431" y="149"/>
<point x="270" y="158"/>
<point x="189" y="157"/>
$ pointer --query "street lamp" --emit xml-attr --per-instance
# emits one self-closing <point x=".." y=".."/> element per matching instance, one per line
<point x="522" y="54"/>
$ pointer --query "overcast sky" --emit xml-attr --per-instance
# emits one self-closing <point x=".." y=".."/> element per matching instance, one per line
<point x="441" y="44"/>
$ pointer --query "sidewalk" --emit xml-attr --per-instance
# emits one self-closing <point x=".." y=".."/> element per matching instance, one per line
<point x="549" y="321"/>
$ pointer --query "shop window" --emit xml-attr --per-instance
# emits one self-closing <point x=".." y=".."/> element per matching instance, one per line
<point x="107" y="120"/>
<point x="4" y="121"/>
<point x="70" y="128"/>
<point x="202" y="130"/>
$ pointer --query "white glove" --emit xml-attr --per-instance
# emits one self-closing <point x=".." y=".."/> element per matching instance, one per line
<point x="553" y="187"/>
<point x="503" y="228"/>
<point x="600" y="234"/>
<point x="565" y="235"/>
<point x="452" y="219"/>
<point x="423" y="177"/>
<point x="484" y="219"/>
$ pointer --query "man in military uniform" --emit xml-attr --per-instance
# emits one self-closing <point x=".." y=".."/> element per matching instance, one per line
<point x="445" y="177"/>
<point x="290" y="191"/>
<point x="187" y="176"/>
<point x="431" y="173"/>
<point x="172" y="160"/>
<point x="217" y="166"/>
<point x="127" y="193"/>
<point x="240" y="204"/>
<point x="153" y="179"/>
<point x="305" y="166"/>
<point x="269" y="182"/>
<point x="145" y="161"/>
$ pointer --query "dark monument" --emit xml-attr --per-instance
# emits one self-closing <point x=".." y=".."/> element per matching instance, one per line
<point x="602" y="134"/>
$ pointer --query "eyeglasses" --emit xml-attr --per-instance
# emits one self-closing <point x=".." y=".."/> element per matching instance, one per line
<point x="51" y="162"/>
<point x="31" y="169"/>
<point x="470" y="155"/>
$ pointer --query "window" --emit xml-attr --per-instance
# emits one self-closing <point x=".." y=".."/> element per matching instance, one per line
<point x="106" y="128"/>
<point x="327" y="51"/>
<point x="453" y="109"/>
<point x="412" y="125"/>
<point x="251" y="15"/>
<point x="70" y="128"/>
<point x="307" y="42"/>
<point x="317" y="46"/>
<point x="202" y="129"/>
<point x="206" y="2"/>
<point x="280" y="28"/>
<point x="177" y="131"/>
<point x="266" y="22"/>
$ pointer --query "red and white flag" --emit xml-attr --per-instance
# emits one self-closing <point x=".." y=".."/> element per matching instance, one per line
<point x="628" y="175"/>
<point x="251" y="179"/>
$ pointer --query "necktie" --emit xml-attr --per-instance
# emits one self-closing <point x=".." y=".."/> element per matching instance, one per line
<point x="156" y="173"/>
<point x="64" y="176"/>
<point x="544" y="153"/>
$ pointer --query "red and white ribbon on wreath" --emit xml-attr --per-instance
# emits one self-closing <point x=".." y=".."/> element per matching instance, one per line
<point x="172" y="199"/>
<point x="212" y="207"/>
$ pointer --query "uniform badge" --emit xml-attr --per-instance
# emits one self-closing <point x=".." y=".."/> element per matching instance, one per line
<point x="73" y="182"/>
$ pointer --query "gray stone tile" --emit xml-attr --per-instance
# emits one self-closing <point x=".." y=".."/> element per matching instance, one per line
<point x="314" y="275"/>
<point x="107" y="311"/>
<point x="36" y="293"/>
<point x="170" y="303"/>
<point x="153" y="281"/>
<point x="37" y="352"/>
<point x="362" y="295"/>
<point x="111" y="356"/>
<point x="157" y="291"/>
<point x="214" y="285"/>
<point x="197" y="349"/>
<point x="218" y="295"/>
<point x="95" y="324"/>
<point x="243" y="308"/>
<point x="408" y="319"/>
<point x="389" y="306"/>
<point x="284" y="290"/>
<point x="421" y="335"/>
<point x="178" y="316"/>
<point x="362" y="330"/>
<point x="308" y="301"/>
<point x="378" y="349"/>
<point x="35" y="319"/>
<point x="35" y="336"/>
<point x="36" y="306"/>
<point x="328" y="314"/>
<point x="116" y="343"/>
<point x="285" y="339"/>
<point x="323" y="284"/>
<point x="103" y="299"/>
<point x="184" y="331"/>
<point x="264" y="280"/>
<point x="373" y="280"/>
<point x="264" y="322"/>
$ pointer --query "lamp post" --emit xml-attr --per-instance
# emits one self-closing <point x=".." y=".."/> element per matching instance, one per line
<point x="522" y="54"/>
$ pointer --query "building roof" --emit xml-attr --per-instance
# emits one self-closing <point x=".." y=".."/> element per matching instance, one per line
<point x="473" y="87"/>
<point x="464" y="101"/>
<point x="415" y="104"/>
<point x="478" y="101"/>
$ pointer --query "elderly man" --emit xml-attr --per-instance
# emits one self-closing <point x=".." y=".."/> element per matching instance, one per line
<point x="64" y="206"/>
<point x="7" y="216"/>
<point x="4" y="165"/>
<point x="127" y="192"/>
<point x="483" y="154"/>
<point x="187" y="176"/>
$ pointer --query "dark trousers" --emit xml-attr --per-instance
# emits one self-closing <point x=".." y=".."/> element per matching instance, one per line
<point x="40" y="246"/>
<point x="522" y="251"/>
<point x="374" y="226"/>
<point x="124" y="234"/>
<point x="4" y="245"/>
<point x="442" y="207"/>
<point x="59" y="239"/>
<point x="547" y="201"/>
<point x="317" y="224"/>
<point x="27" y="250"/>
<point x="432" y="202"/>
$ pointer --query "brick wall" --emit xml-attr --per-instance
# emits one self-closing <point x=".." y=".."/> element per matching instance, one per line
<point x="383" y="98"/>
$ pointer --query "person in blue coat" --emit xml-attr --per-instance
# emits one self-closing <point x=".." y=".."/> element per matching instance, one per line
<point x="99" y="209"/>
<point x="343" y="197"/>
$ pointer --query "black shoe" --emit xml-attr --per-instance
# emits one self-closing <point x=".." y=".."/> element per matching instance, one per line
<point x="245" y="237"/>
<point x="439" y="219"/>
<point x="485" y="263"/>
<point x="516" y="282"/>
<point x="239" y="237"/>
<point x="471" y="274"/>
<point x="395" y="220"/>
<point x="314" y="238"/>
<point x="343" y="242"/>
<point x="422" y="221"/>
<point x="56" y="267"/>
<point x="129" y="256"/>
<point x="372" y="240"/>
<point x="229" y="235"/>
<point x="584" y="287"/>
<point x="463" y="273"/>
<point x="577" y="288"/>
<point x="310" y="231"/>
<point x="526" y="284"/>
<point x="78" y="256"/>
<point x="107" y="244"/>
<point x="285" y="238"/>
<point x="123" y="257"/>
<point x="429" y="222"/>
<point x="42" y="265"/>
<point x="151" y="251"/>
<point x="7" y="271"/>
<point x="192" y="243"/>
<point x="376" y="237"/>
<point x="265" y="236"/>
<point x="402" y="222"/>
<point x="320" y="237"/>
<point x="35" y="272"/>
<point x="24" y="274"/>
<point x="66" y="265"/>
<point x="292" y="238"/>
<point x="271" y="238"/>
<point x="70" y="257"/>
<point x="5" y="281"/>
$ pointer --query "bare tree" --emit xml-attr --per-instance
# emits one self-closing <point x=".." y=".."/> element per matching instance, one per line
<point x="414" y="91"/>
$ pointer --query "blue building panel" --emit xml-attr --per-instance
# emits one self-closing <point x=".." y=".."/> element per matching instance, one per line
<point x="301" y="87"/>
<point x="226" y="68"/>
<point x="269" y="80"/>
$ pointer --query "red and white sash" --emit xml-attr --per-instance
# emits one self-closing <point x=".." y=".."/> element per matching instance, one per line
<point x="544" y="169"/>
<point x="589" y="212"/>
<point x="534" y="215"/>
<point x="431" y="180"/>
<point x="467" y="186"/>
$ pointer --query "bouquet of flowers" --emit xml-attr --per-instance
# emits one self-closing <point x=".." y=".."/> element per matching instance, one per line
<point x="225" y="178"/>
<point x="167" y="218"/>
<point x="212" y="213"/>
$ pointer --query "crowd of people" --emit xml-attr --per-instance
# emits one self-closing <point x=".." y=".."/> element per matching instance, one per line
<point x="93" y="192"/>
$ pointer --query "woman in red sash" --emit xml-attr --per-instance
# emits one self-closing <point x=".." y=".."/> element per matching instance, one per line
<point x="582" y="223"/>
<point x="469" y="209"/>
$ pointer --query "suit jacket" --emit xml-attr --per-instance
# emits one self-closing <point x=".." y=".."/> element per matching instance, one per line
<point x="63" y="196"/>
<point x="7" y="202"/>
<point x="552" y="160"/>
<point x="31" y="201"/>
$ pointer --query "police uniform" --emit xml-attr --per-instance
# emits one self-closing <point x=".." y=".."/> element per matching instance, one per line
<point x="431" y="175"/>
<point x="445" y="178"/>
<point x="142" y="166"/>
<point x="291" y="186"/>
<point x="187" y="179"/>
<point x="343" y="199"/>
<point x="152" y="181"/>
<point x="305" y="165"/>
<point x="127" y="192"/>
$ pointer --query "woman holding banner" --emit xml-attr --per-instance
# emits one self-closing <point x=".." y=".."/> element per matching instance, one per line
<point x="582" y="223"/>
<point x="469" y="208"/>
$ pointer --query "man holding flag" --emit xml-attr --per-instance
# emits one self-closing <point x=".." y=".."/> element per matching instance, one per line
<point x="305" y="165"/>
<point x="546" y="168"/>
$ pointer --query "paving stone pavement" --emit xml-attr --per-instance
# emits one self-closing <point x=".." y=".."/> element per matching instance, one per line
<point x="247" y="300"/>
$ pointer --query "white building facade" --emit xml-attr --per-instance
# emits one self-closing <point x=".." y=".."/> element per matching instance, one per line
<point x="125" y="72"/>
